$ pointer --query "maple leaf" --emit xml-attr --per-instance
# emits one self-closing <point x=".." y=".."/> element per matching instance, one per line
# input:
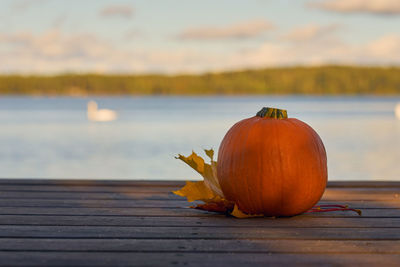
<point x="236" y="212"/>
<point x="208" y="190"/>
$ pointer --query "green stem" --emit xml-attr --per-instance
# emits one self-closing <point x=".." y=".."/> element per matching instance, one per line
<point x="273" y="113"/>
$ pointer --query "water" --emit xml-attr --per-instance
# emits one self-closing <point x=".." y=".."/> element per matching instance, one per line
<point x="51" y="137"/>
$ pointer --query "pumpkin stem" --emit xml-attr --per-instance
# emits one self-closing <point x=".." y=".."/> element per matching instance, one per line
<point x="273" y="113"/>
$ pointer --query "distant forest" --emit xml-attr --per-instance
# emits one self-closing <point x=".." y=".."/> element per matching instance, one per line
<point x="331" y="80"/>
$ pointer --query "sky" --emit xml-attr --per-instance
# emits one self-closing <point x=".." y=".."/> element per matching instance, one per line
<point x="188" y="36"/>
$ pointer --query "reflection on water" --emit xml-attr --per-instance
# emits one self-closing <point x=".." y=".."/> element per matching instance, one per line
<point x="52" y="138"/>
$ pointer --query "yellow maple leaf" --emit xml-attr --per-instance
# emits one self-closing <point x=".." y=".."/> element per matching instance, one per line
<point x="195" y="191"/>
<point x="236" y="212"/>
<point x="208" y="190"/>
<point x="208" y="171"/>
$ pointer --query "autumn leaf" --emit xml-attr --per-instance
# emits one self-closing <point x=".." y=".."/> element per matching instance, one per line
<point x="236" y="212"/>
<point x="208" y="171"/>
<point x="216" y="204"/>
<point x="195" y="191"/>
<point x="208" y="190"/>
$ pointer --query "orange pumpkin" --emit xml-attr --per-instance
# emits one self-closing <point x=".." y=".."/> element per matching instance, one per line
<point x="272" y="165"/>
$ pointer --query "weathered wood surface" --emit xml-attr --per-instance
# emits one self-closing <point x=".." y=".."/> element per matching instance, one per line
<point x="140" y="223"/>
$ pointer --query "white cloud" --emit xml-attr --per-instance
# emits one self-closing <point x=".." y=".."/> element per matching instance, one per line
<point x="134" y="34"/>
<point x="54" y="44"/>
<point x="311" y="32"/>
<point x="51" y="51"/>
<point x="386" y="48"/>
<point x="278" y="54"/>
<point x="382" y="51"/>
<point x="385" y="7"/>
<point x="242" y="30"/>
<point x="22" y="5"/>
<point x="59" y="21"/>
<point x="56" y="51"/>
<point x="123" y="11"/>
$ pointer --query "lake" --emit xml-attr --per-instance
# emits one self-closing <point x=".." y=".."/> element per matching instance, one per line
<point x="52" y="138"/>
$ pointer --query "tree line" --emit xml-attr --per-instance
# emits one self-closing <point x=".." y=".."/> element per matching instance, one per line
<point x="325" y="80"/>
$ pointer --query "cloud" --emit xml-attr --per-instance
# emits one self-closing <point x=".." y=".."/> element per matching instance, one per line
<point x="123" y="11"/>
<point x="52" y="51"/>
<point x="386" y="48"/>
<point x="382" y="51"/>
<point x="383" y="7"/>
<point x="22" y="5"/>
<point x="59" y="21"/>
<point x="54" y="44"/>
<point x="56" y="51"/>
<point x="134" y="34"/>
<point x="311" y="32"/>
<point x="242" y="30"/>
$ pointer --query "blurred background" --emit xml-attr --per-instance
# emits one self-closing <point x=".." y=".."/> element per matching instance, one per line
<point x="116" y="89"/>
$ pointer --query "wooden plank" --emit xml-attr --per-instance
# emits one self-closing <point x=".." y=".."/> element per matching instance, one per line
<point x="87" y="188"/>
<point x="169" y="196"/>
<point x="364" y="184"/>
<point x="28" y="196"/>
<point x="192" y="259"/>
<point x="102" y="211"/>
<point x="338" y="194"/>
<point x="20" y="196"/>
<point x="146" y="183"/>
<point x="361" y="194"/>
<point x="210" y="221"/>
<point x="169" y="211"/>
<point x="198" y="245"/>
<point x="160" y="203"/>
<point x="153" y="189"/>
<point x="91" y="182"/>
<point x="92" y="203"/>
<point x="105" y="232"/>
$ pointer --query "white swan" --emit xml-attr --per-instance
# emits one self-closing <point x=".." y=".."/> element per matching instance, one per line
<point x="397" y="110"/>
<point x="95" y="114"/>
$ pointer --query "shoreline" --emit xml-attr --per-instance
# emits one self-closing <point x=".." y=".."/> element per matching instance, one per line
<point x="325" y="80"/>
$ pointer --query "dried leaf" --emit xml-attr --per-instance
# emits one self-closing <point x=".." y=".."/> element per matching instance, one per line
<point x="211" y="178"/>
<point x="210" y="153"/>
<point x="217" y="205"/>
<point x="239" y="214"/>
<point x="194" y="161"/>
<point x="209" y="190"/>
<point x="208" y="171"/>
<point x="195" y="191"/>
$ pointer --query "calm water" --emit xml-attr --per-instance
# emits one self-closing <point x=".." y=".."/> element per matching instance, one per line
<point x="51" y="137"/>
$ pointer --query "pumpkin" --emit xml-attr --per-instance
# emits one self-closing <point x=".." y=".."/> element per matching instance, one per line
<point x="272" y="165"/>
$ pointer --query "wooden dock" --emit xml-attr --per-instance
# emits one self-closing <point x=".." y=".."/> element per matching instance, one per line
<point x="140" y="223"/>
